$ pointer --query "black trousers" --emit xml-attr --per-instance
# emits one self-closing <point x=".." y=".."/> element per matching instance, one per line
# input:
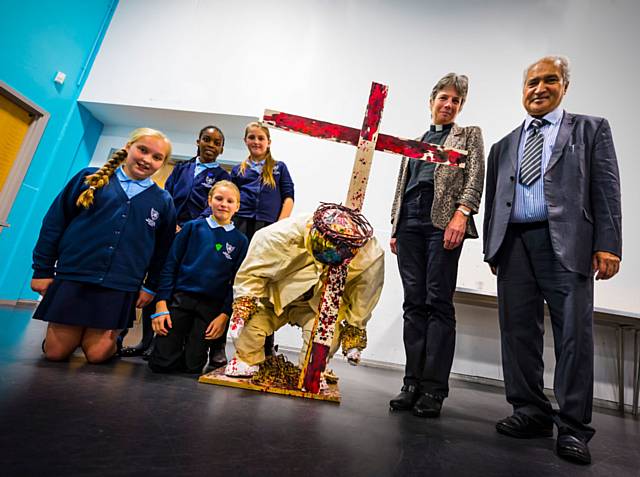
<point x="428" y="274"/>
<point x="529" y="273"/>
<point x="185" y="348"/>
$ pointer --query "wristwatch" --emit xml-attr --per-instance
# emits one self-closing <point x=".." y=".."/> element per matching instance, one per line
<point x="465" y="212"/>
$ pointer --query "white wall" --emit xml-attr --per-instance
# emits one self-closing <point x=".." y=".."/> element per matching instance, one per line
<point x="317" y="59"/>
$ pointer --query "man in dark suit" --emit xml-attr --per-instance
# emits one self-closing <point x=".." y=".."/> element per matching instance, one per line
<point x="552" y="221"/>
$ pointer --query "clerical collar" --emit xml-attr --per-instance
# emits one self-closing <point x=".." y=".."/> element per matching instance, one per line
<point x="440" y="127"/>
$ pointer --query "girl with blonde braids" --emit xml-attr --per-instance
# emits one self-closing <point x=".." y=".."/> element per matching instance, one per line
<point x="106" y="233"/>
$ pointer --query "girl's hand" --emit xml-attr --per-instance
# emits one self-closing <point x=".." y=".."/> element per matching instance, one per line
<point x="454" y="233"/>
<point x="162" y="324"/>
<point x="40" y="285"/>
<point x="216" y="327"/>
<point x="144" y="299"/>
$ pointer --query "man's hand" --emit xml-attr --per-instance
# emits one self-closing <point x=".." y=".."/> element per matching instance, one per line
<point x="605" y="265"/>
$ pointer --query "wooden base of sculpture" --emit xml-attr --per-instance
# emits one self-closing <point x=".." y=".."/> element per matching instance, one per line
<point x="218" y="377"/>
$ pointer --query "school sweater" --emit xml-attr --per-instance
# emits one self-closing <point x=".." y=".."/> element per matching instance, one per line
<point x="113" y="243"/>
<point x="259" y="201"/>
<point x="203" y="260"/>
<point x="190" y="193"/>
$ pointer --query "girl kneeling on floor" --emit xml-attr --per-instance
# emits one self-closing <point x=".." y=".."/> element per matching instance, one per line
<point x="195" y="293"/>
<point x="106" y="231"/>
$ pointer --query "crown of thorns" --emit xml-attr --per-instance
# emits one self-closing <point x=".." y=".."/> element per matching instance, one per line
<point x="356" y="236"/>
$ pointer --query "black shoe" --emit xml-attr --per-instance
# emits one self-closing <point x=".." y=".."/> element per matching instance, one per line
<point x="217" y="357"/>
<point x="147" y="354"/>
<point x="523" y="427"/>
<point x="406" y="399"/>
<point x="572" y="448"/>
<point x="131" y="351"/>
<point x="428" y="406"/>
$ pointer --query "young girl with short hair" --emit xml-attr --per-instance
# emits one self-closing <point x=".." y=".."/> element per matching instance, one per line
<point x="104" y="233"/>
<point x="195" y="293"/>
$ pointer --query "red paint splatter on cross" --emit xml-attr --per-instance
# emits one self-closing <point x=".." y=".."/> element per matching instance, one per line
<point x="373" y="116"/>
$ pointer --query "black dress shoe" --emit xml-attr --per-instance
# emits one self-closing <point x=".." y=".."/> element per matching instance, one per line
<point x="406" y="399"/>
<point x="131" y="351"/>
<point x="523" y="427"/>
<point x="428" y="406"/>
<point x="573" y="448"/>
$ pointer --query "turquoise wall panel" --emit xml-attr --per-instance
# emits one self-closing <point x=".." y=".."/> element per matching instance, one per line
<point x="37" y="39"/>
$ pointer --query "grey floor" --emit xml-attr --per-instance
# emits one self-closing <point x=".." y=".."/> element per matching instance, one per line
<point x="121" y="419"/>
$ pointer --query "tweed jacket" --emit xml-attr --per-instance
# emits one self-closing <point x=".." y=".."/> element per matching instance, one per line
<point x="453" y="186"/>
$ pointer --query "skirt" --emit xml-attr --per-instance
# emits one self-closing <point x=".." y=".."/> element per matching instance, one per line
<point x="86" y="304"/>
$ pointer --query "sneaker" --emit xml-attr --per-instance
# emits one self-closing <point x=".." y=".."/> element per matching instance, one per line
<point x="239" y="369"/>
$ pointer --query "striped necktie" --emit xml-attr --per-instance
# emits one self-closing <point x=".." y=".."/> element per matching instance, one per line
<point x="531" y="165"/>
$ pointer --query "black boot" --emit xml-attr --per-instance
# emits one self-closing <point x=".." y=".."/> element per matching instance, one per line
<point x="406" y="399"/>
<point x="428" y="406"/>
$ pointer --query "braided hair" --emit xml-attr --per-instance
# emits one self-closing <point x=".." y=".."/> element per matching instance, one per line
<point x="101" y="177"/>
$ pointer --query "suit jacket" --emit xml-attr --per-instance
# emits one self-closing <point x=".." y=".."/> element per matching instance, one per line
<point x="453" y="186"/>
<point x="581" y="189"/>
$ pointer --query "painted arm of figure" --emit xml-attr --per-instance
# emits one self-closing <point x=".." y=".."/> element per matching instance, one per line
<point x="361" y="295"/>
<point x="606" y="206"/>
<point x="469" y="199"/>
<point x="267" y="255"/>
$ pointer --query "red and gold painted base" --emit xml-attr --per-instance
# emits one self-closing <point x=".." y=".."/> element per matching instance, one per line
<point x="218" y="377"/>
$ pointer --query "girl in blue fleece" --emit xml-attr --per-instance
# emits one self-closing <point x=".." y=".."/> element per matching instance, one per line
<point x="190" y="181"/>
<point x="195" y="292"/>
<point x="104" y="233"/>
<point x="266" y="188"/>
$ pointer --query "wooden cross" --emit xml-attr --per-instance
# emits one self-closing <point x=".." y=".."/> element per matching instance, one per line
<point x="367" y="140"/>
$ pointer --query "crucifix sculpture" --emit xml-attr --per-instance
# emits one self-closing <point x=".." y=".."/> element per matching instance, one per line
<point x="367" y="140"/>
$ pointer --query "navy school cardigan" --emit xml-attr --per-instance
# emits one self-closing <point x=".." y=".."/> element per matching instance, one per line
<point x="113" y="243"/>
<point x="259" y="201"/>
<point x="190" y="194"/>
<point x="204" y="261"/>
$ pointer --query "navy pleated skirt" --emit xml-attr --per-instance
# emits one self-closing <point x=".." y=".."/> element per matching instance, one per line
<point x="86" y="304"/>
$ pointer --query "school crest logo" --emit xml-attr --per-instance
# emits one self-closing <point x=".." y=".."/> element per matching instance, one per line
<point x="229" y="248"/>
<point x="153" y="216"/>
<point x="208" y="182"/>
